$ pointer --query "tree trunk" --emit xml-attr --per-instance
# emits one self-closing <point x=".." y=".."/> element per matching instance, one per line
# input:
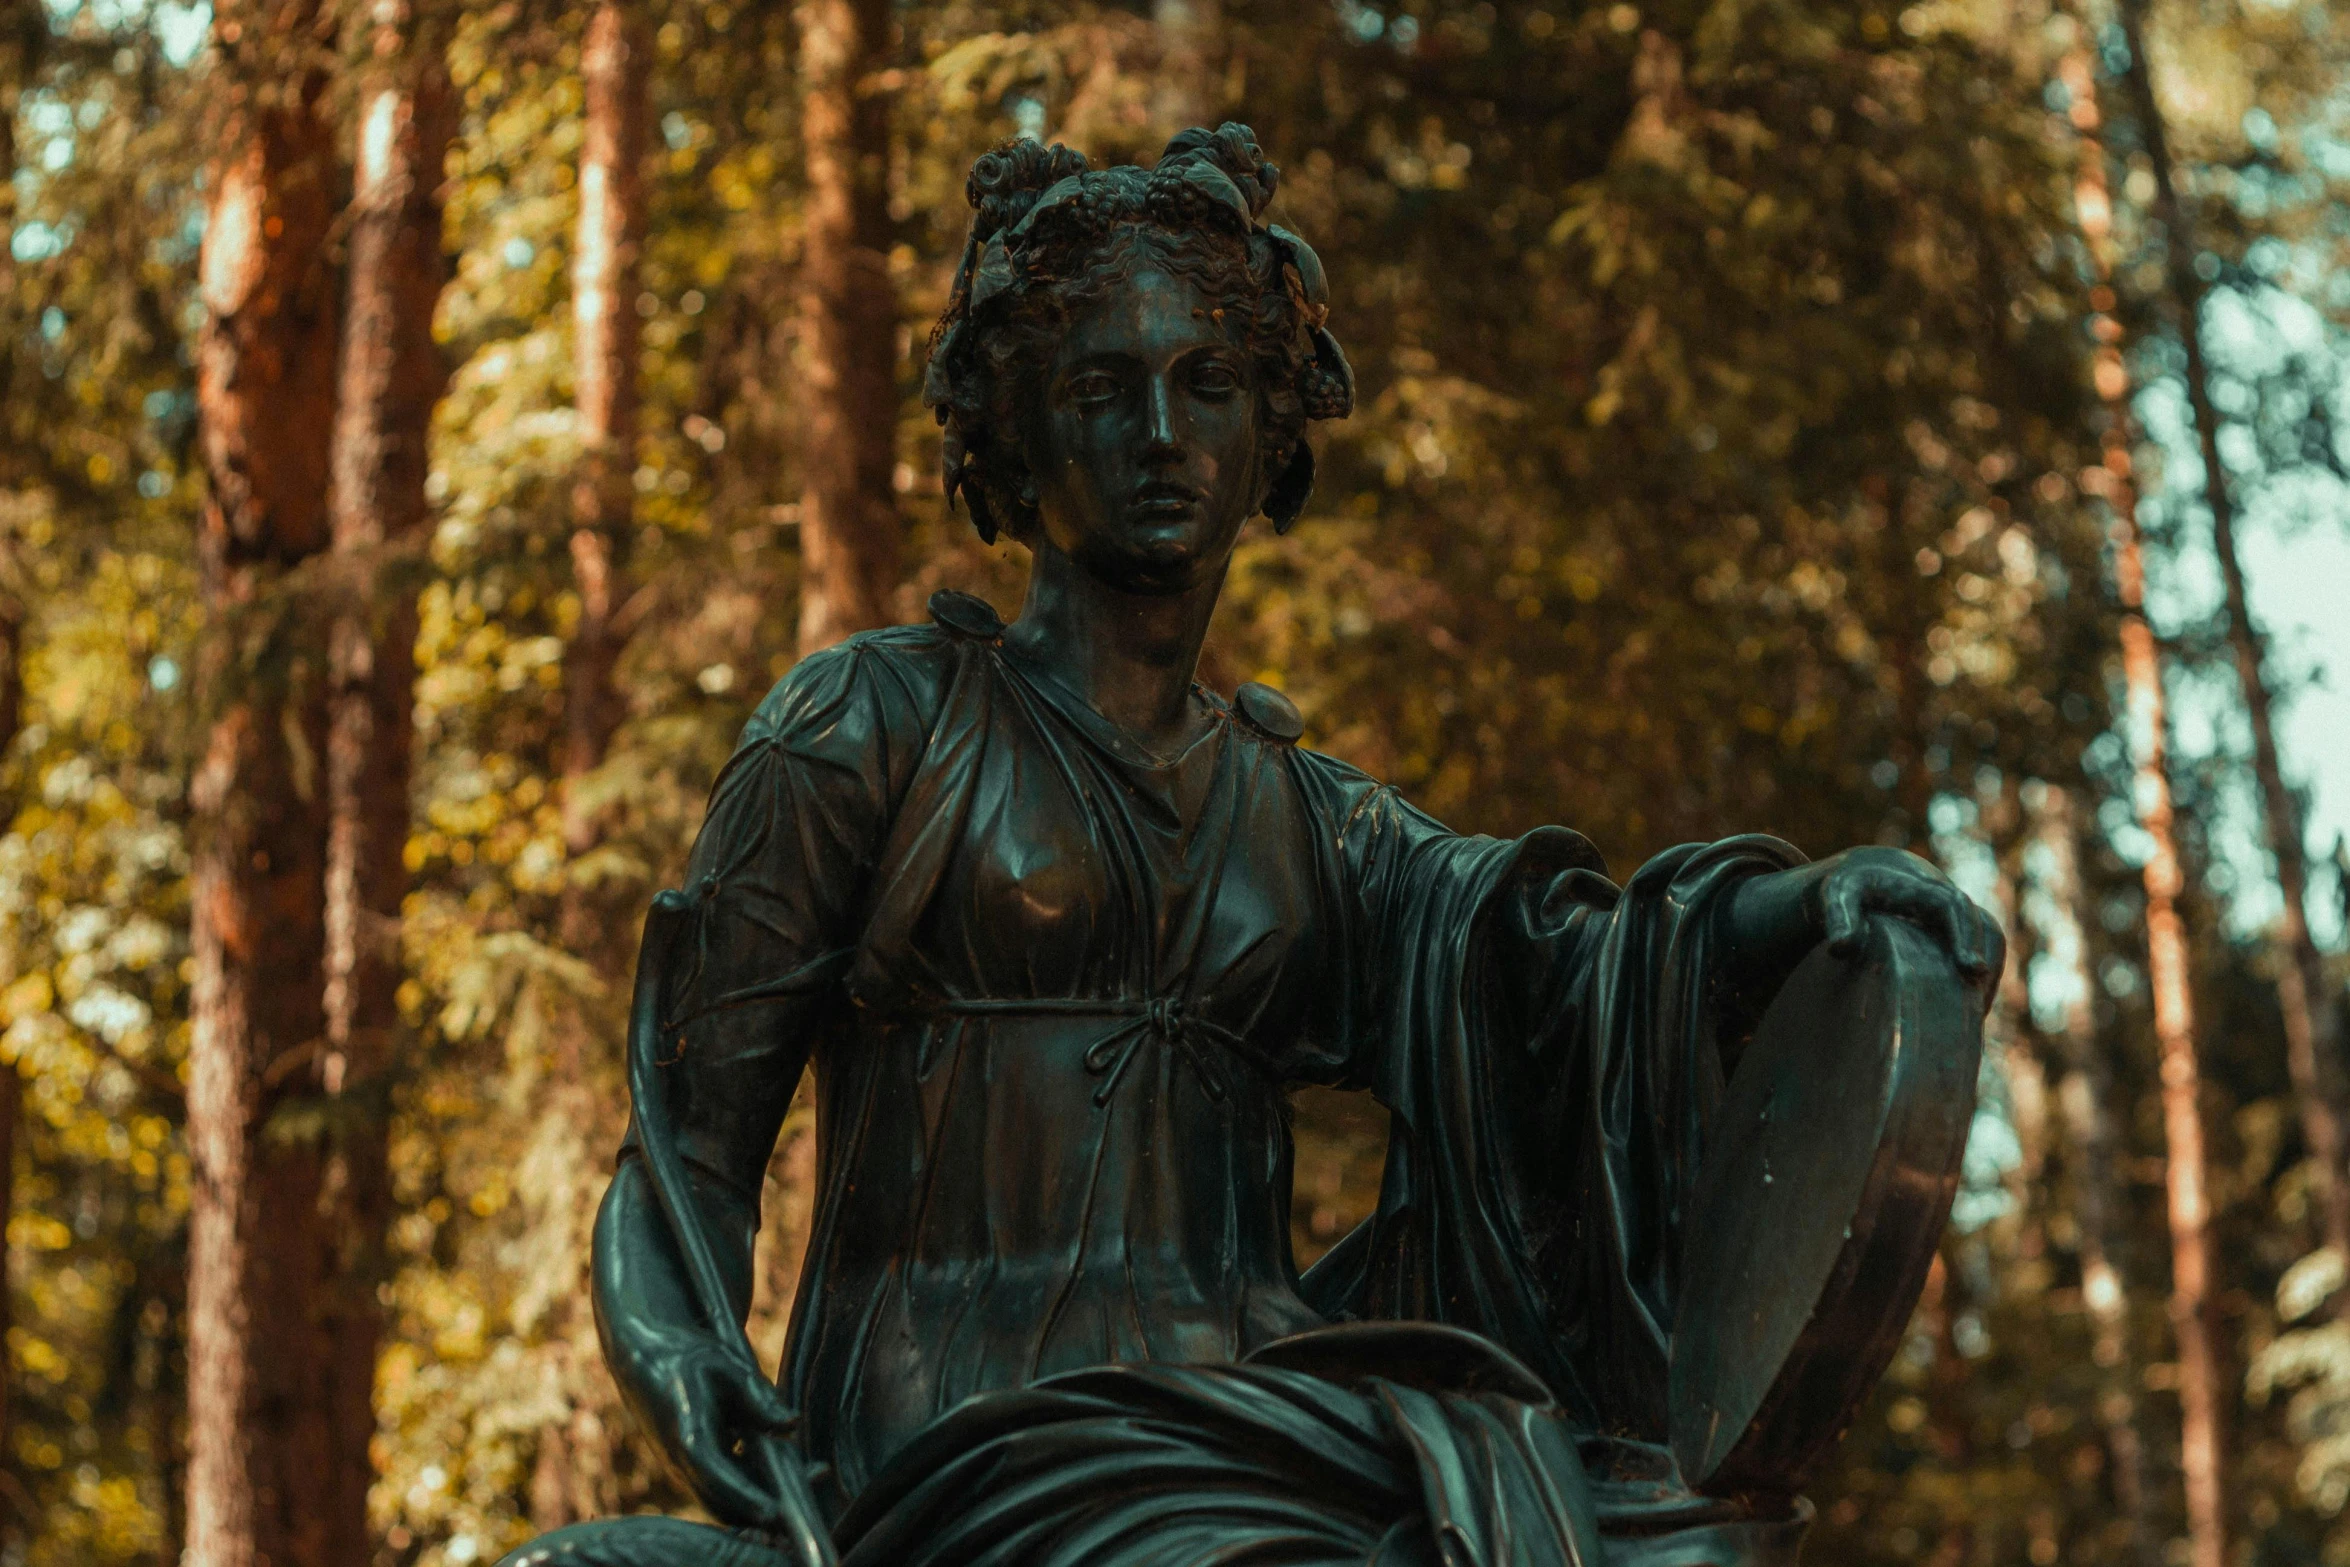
<point x="11" y="1096"/>
<point x="1188" y="91"/>
<point x="11" y="715"/>
<point x="2087" y="1100"/>
<point x="11" y="1083"/>
<point x="259" y="1423"/>
<point x="2303" y="997"/>
<point x="391" y="375"/>
<point x="2201" y="1390"/>
<point x="615" y="63"/>
<point x="849" y="544"/>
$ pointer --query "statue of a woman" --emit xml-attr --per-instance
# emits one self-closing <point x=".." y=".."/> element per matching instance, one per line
<point x="1058" y="928"/>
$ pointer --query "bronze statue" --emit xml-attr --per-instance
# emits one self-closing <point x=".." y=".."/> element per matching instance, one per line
<point x="1057" y="928"/>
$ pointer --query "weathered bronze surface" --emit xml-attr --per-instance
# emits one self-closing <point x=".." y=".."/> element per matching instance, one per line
<point x="1057" y="929"/>
<point x="1854" y="1099"/>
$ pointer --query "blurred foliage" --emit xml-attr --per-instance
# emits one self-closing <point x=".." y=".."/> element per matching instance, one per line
<point x="1720" y="465"/>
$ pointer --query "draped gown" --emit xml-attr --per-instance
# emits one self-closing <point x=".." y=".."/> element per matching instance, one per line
<point x="1054" y="990"/>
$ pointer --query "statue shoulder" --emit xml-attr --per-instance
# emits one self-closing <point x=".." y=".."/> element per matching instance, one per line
<point x="886" y="684"/>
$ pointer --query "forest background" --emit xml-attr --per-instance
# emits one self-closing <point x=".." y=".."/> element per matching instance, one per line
<point x="430" y="427"/>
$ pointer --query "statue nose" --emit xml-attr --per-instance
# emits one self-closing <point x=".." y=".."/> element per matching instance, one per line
<point x="1159" y="434"/>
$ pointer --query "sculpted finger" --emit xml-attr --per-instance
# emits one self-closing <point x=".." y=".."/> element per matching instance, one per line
<point x="728" y="1486"/>
<point x="1965" y="925"/>
<point x="716" y="1471"/>
<point x="764" y="1408"/>
<point x="1994" y="944"/>
<point x="1841" y="902"/>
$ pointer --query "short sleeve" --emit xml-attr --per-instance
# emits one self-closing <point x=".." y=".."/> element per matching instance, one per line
<point x="778" y="876"/>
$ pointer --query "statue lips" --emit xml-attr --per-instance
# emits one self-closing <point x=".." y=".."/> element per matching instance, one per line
<point x="1164" y="500"/>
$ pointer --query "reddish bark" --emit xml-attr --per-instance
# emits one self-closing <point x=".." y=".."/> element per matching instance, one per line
<point x="391" y="375"/>
<point x="2087" y="1100"/>
<point x="11" y="1096"/>
<point x="11" y="714"/>
<point x="2303" y="995"/>
<point x="1188" y="87"/>
<point x="2202" y="1390"/>
<point x="849" y="530"/>
<point x="260" y="1447"/>
<point x="616" y="74"/>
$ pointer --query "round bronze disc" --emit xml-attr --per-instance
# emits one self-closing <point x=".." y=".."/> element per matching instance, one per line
<point x="1833" y="1161"/>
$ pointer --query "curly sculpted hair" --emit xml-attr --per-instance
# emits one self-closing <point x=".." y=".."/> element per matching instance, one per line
<point x="1049" y="236"/>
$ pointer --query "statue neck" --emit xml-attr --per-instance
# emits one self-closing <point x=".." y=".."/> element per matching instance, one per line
<point x="1128" y="656"/>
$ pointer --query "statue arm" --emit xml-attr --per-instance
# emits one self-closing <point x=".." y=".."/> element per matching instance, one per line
<point x="676" y="1233"/>
<point x="675" y="1369"/>
<point x="738" y="979"/>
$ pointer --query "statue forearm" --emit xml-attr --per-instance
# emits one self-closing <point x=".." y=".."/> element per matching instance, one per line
<point x="646" y="1313"/>
<point x="1765" y="926"/>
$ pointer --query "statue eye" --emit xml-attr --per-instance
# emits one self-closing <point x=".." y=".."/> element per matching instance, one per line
<point x="1217" y="376"/>
<point x="1091" y="386"/>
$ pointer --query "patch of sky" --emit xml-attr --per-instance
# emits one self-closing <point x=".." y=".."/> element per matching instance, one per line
<point x="1365" y="22"/>
<point x="1994" y="1151"/>
<point x="182" y="30"/>
<point x="2296" y="558"/>
<point x="36" y="241"/>
<point x="518" y="252"/>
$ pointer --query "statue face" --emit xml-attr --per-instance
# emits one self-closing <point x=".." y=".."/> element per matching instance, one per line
<point x="1144" y="448"/>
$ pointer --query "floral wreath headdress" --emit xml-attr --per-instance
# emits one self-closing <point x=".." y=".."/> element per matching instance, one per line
<point x="1035" y="207"/>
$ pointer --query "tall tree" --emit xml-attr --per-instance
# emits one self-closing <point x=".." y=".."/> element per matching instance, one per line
<point x="2087" y="1102"/>
<point x="262" y="1486"/>
<point x="616" y="68"/>
<point x="21" y="33"/>
<point x="1189" y="92"/>
<point x="849" y="530"/>
<point x="2304" y="999"/>
<point x="2202" y="1380"/>
<point x="11" y="1082"/>
<point x="391" y="375"/>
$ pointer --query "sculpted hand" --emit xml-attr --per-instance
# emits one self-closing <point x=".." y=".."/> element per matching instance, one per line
<point x="1850" y="889"/>
<point x="728" y="1426"/>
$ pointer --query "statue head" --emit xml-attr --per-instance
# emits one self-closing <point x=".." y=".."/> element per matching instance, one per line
<point x="1132" y="352"/>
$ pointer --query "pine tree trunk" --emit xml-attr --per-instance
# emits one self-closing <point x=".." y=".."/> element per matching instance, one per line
<point x="11" y="1083"/>
<point x="2087" y="1102"/>
<point x="11" y="1096"/>
<point x="849" y="532"/>
<point x="258" y="1418"/>
<point x="2202" y="1390"/>
<point x="1189" y="92"/>
<point x="2302" y="992"/>
<point x="390" y="376"/>
<point x="616" y="62"/>
<point x="11" y="715"/>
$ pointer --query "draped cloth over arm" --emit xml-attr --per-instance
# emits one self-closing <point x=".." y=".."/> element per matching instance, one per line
<point x="1550" y="1052"/>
